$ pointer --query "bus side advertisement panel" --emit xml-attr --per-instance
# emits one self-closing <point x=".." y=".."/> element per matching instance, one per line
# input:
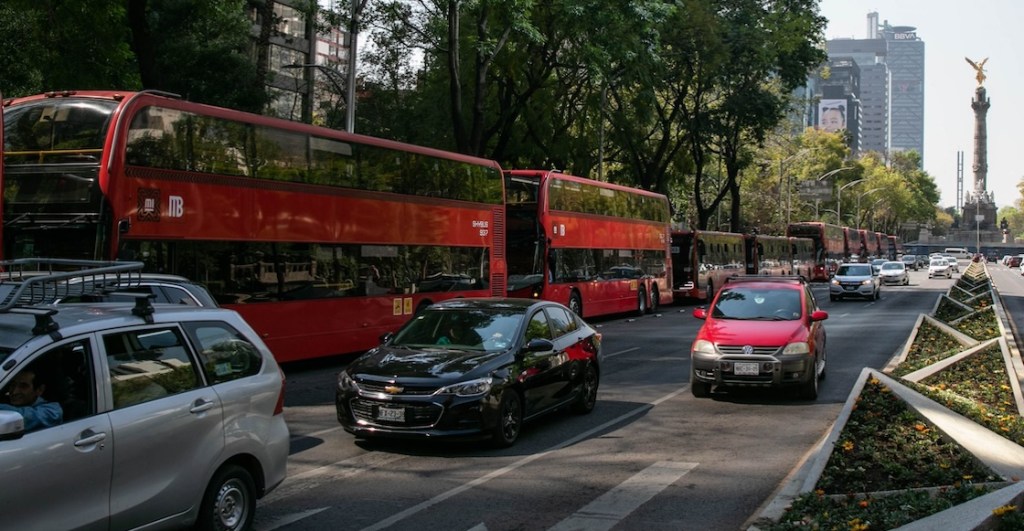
<point x="577" y="231"/>
<point x="165" y="209"/>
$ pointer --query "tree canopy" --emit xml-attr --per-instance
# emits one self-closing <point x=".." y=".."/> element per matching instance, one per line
<point x="690" y="98"/>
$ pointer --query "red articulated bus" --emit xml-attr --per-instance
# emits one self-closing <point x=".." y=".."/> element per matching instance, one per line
<point x="854" y="245"/>
<point x="597" y="247"/>
<point x="321" y="239"/>
<point x="829" y="246"/>
<point x="769" y="255"/>
<point x="895" y="247"/>
<point x="883" y="245"/>
<point x="803" y="257"/>
<point x="702" y="261"/>
<point x="869" y="240"/>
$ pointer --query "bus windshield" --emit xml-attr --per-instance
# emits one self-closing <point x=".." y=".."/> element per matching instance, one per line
<point x="44" y="131"/>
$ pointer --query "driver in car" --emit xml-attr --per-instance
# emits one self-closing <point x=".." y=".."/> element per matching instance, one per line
<point x="25" y="395"/>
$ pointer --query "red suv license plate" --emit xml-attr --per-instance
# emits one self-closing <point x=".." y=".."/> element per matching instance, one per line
<point x="745" y="369"/>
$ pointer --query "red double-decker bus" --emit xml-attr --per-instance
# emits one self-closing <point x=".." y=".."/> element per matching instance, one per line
<point x="322" y="240"/>
<point x="596" y="247"/>
<point x="829" y="246"/>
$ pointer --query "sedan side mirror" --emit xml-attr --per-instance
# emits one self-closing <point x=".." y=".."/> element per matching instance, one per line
<point x="540" y="345"/>
<point x="700" y="313"/>
<point x="819" y="315"/>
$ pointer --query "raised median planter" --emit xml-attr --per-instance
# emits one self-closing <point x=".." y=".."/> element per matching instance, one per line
<point x="945" y="395"/>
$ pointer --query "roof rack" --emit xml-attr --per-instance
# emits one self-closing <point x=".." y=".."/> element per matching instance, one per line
<point x="31" y="281"/>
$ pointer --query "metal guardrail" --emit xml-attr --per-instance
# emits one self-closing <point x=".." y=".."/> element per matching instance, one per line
<point x="32" y="281"/>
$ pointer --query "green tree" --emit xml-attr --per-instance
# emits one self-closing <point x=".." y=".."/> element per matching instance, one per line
<point x="770" y="49"/>
<point x="61" y="45"/>
<point x="200" y="49"/>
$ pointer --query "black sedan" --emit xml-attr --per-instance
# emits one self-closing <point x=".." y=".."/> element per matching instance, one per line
<point x="472" y="368"/>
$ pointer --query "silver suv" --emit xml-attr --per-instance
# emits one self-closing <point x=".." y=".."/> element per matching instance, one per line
<point x="854" y="280"/>
<point x="134" y="415"/>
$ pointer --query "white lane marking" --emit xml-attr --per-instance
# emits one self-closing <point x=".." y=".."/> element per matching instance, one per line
<point x="311" y="479"/>
<point x="278" y="523"/>
<point x="613" y="354"/>
<point x="518" y="464"/>
<point x="615" y="505"/>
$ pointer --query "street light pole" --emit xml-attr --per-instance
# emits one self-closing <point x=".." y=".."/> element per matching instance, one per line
<point x="839" y="199"/>
<point x="828" y="174"/>
<point x="858" y="202"/>
<point x="978" y="218"/>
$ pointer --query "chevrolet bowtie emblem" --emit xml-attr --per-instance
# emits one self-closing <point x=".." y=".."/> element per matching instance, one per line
<point x="392" y="389"/>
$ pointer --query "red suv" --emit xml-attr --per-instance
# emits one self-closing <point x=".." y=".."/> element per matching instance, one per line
<point x="760" y="332"/>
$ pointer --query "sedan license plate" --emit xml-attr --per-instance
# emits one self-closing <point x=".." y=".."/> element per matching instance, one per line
<point x="391" y="414"/>
<point x="745" y="369"/>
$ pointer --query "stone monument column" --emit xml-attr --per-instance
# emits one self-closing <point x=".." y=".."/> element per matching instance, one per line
<point x="980" y="104"/>
<point x="980" y="204"/>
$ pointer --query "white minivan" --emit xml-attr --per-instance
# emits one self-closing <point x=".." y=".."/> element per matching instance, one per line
<point x="958" y="252"/>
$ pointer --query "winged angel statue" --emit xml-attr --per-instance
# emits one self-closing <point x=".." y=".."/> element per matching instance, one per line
<point x="979" y="67"/>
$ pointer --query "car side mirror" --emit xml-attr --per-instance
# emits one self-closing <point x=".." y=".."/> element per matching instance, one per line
<point x="12" y="425"/>
<point x="386" y="336"/>
<point x="819" y="315"/>
<point x="538" y="344"/>
<point x="700" y="313"/>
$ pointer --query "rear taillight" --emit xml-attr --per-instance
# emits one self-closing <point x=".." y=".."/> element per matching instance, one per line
<point x="279" y="407"/>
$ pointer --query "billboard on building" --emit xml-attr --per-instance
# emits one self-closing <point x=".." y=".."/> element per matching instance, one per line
<point x="832" y="115"/>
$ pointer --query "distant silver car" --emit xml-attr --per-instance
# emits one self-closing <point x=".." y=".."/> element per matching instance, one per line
<point x="854" y="280"/>
<point x="170" y="415"/>
<point x="894" y="273"/>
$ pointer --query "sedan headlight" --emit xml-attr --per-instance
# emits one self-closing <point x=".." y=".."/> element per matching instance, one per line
<point x="704" y="346"/>
<point x="866" y="282"/>
<point x="797" y="348"/>
<point x="470" y="388"/>
<point x="346" y="383"/>
<point x="835" y="282"/>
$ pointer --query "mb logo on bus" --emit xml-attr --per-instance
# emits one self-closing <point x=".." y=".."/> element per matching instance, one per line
<point x="149" y="199"/>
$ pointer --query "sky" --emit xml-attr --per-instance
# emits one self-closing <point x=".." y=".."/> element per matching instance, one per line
<point x="952" y="30"/>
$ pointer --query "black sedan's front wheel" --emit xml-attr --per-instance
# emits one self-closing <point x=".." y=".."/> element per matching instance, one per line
<point x="510" y="420"/>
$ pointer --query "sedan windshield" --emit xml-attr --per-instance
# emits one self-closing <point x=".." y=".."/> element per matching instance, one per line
<point x="854" y="270"/>
<point x="758" y="304"/>
<point x="466" y="329"/>
<point x="892" y="266"/>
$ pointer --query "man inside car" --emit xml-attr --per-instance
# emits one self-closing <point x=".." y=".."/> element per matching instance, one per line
<point x="25" y="396"/>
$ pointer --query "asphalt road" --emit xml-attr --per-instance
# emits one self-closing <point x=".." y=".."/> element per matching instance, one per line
<point x="650" y="456"/>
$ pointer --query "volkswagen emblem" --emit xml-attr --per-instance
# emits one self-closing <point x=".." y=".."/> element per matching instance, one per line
<point x="748" y="350"/>
<point x="393" y="389"/>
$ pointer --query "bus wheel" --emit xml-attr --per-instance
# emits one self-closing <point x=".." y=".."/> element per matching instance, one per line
<point x="655" y="300"/>
<point x="575" y="304"/>
<point x="641" y="302"/>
